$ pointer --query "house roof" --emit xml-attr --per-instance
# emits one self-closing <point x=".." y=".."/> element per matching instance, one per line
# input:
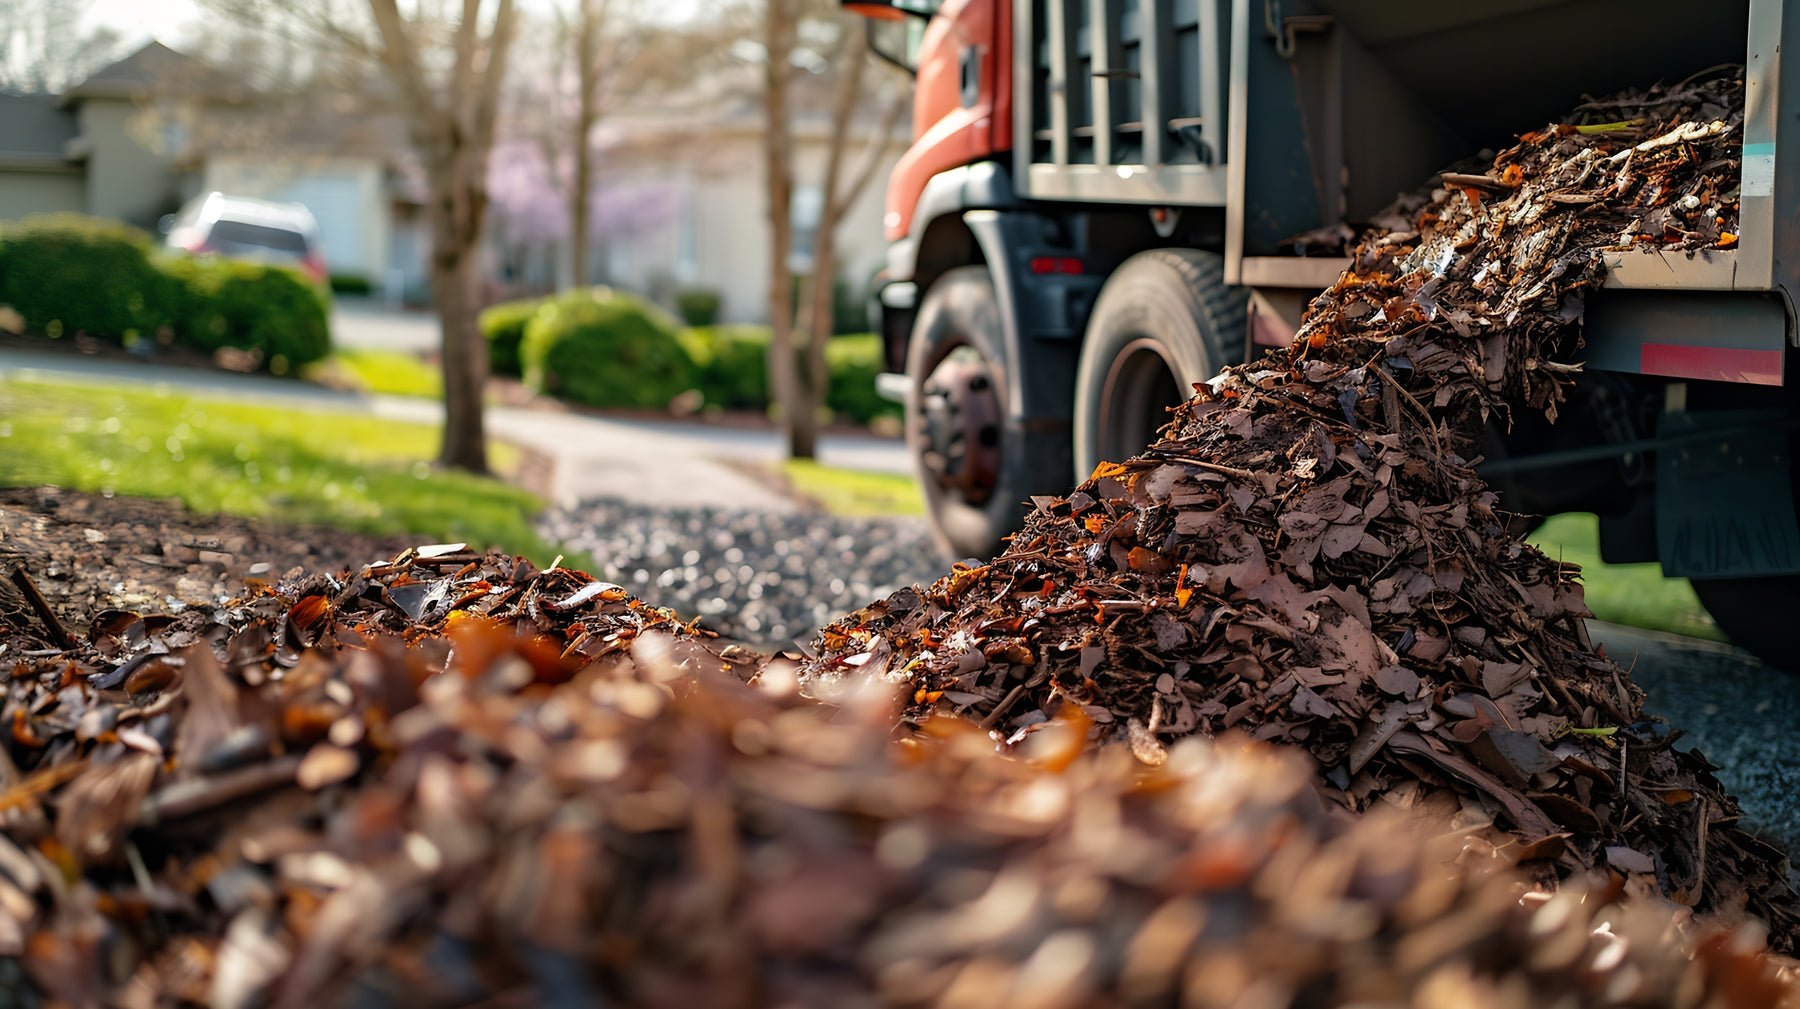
<point x="130" y="77"/>
<point x="34" y="128"/>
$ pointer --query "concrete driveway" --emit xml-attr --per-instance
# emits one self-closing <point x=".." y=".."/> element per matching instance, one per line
<point x="366" y="324"/>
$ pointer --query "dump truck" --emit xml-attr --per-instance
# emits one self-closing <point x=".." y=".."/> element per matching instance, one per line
<point x="1106" y="201"/>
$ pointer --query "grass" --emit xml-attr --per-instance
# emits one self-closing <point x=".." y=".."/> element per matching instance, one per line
<point x="385" y="372"/>
<point x="348" y="471"/>
<point x="1633" y="594"/>
<point x="854" y="492"/>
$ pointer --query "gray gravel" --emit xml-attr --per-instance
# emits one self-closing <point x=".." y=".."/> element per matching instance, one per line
<point x="758" y="577"/>
<point x="1741" y="714"/>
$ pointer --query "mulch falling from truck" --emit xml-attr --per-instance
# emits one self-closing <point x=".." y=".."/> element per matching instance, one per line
<point x="1307" y="555"/>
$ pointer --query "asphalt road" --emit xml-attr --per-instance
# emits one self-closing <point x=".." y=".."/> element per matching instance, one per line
<point x="1740" y="714"/>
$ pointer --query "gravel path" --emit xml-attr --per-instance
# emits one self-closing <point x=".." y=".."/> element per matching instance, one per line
<point x="759" y="577"/>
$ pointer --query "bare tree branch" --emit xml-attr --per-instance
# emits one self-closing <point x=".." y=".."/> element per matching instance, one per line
<point x="499" y="47"/>
<point x="849" y="95"/>
<point x="876" y="153"/>
<point x="400" y="55"/>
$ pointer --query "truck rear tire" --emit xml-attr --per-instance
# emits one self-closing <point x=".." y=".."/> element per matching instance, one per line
<point x="1757" y="614"/>
<point x="1164" y="321"/>
<point x="976" y="461"/>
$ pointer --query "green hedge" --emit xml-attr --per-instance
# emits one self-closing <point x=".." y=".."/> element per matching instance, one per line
<point x="731" y="364"/>
<point x="504" y="327"/>
<point x="350" y="283"/>
<point x="603" y="348"/>
<point x="247" y="306"/>
<point x="67" y="274"/>
<point x="854" y="361"/>
<point x="698" y="306"/>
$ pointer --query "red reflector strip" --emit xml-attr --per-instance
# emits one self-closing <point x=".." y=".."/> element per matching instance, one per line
<point x="1055" y="264"/>
<point x="1713" y="364"/>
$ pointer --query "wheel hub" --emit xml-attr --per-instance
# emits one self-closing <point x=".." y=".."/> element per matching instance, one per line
<point x="959" y="421"/>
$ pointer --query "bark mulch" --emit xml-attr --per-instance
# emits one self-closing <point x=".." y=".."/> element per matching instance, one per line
<point x="455" y="779"/>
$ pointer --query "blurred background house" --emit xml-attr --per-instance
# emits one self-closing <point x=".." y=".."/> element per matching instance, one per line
<point x="139" y="137"/>
<point x="680" y="198"/>
<point x="679" y="194"/>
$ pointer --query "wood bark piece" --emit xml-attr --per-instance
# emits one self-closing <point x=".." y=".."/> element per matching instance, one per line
<point x="41" y="607"/>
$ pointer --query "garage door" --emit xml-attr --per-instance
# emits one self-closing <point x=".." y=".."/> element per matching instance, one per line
<point x="343" y="231"/>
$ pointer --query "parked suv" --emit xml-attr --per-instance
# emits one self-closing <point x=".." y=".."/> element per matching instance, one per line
<point x="238" y="227"/>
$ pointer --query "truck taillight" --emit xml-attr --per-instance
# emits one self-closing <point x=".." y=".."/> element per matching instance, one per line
<point x="1055" y="264"/>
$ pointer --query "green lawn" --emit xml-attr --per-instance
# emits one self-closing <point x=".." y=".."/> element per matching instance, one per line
<point x="386" y="372"/>
<point x="1634" y="594"/>
<point x="853" y="492"/>
<point x="348" y="471"/>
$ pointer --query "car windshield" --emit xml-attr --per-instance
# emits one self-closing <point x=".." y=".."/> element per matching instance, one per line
<point x="233" y="238"/>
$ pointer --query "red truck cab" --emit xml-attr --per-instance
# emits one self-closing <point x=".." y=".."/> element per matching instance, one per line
<point x="962" y="101"/>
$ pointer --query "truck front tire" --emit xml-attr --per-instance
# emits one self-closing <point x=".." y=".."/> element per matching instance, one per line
<point x="974" y="458"/>
<point x="1164" y="321"/>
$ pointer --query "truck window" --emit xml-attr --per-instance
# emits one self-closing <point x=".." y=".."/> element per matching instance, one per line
<point x="898" y="41"/>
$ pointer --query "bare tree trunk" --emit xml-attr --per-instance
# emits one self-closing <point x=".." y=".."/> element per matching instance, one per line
<point x="819" y="290"/>
<point x="780" y="24"/>
<point x="453" y="133"/>
<point x="587" y="112"/>
<point x="454" y="285"/>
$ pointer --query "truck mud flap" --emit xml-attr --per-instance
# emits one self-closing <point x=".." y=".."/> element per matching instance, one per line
<point x="1725" y="507"/>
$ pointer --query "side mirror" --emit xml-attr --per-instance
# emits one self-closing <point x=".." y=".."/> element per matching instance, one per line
<point x="893" y="10"/>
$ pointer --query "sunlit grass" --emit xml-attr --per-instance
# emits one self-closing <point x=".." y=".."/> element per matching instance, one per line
<point x="348" y="471"/>
<point x="854" y="492"/>
<point x="384" y="372"/>
<point x="1633" y="594"/>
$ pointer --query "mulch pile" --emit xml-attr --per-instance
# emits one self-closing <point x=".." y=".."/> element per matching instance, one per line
<point x="455" y="779"/>
<point x="1307" y="556"/>
<point x="89" y="552"/>
<point x="452" y="778"/>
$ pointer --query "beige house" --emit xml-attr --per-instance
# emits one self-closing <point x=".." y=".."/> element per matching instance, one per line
<point x="137" y="139"/>
<point x="714" y="232"/>
<point x="680" y="200"/>
<point x="91" y="150"/>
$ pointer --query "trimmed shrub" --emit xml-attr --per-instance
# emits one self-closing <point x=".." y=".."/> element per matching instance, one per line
<point x="350" y="283"/>
<point x="854" y="361"/>
<point x="698" y="306"/>
<point x="504" y="327"/>
<point x="602" y="348"/>
<point x="731" y="364"/>
<point x="67" y="274"/>
<point x="269" y="310"/>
